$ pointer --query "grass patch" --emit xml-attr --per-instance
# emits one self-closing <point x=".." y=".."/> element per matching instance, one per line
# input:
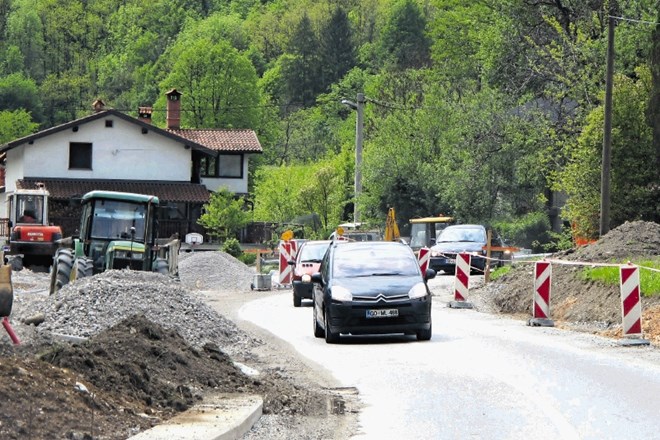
<point x="500" y="272"/>
<point x="649" y="280"/>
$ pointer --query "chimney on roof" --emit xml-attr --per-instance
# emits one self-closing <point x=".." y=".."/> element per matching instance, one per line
<point x="144" y="114"/>
<point x="98" y="106"/>
<point x="173" y="109"/>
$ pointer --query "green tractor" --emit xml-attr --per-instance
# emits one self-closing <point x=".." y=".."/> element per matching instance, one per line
<point x="117" y="231"/>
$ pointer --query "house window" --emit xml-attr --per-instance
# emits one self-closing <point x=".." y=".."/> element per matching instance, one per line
<point x="108" y="123"/>
<point x="208" y="167"/>
<point x="231" y="165"/>
<point x="80" y="156"/>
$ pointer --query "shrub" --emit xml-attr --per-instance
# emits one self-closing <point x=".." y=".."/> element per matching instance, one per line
<point x="232" y="247"/>
<point x="247" y="258"/>
<point x="528" y="231"/>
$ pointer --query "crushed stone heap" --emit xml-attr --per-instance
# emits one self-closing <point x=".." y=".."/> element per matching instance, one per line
<point x="91" y="305"/>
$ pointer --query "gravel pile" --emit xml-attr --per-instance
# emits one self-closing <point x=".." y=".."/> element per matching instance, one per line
<point x="90" y="305"/>
<point x="214" y="271"/>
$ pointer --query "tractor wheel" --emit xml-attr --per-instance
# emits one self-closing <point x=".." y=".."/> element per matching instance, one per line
<point x="82" y="267"/>
<point x="162" y="266"/>
<point x="60" y="274"/>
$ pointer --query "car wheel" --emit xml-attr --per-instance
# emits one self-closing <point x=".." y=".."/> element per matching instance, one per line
<point x="296" y="300"/>
<point x="330" y="337"/>
<point x="425" y="335"/>
<point x="318" y="330"/>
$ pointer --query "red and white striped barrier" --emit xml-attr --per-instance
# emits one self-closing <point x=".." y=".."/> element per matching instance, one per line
<point x="424" y="258"/>
<point x="461" y="282"/>
<point x="285" y="268"/>
<point x="294" y="250"/>
<point x="631" y="305"/>
<point x="542" y="289"/>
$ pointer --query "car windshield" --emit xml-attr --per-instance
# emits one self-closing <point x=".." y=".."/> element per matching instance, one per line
<point x="362" y="261"/>
<point x="462" y="234"/>
<point x="313" y="251"/>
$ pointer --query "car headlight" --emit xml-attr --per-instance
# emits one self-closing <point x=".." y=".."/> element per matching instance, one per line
<point x="435" y="253"/>
<point x="306" y="278"/>
<point x="339" y="293"/>
<point x="418" y="291"/>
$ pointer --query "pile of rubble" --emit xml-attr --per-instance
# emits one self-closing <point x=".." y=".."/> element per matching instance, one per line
<point x="91" y="305"/>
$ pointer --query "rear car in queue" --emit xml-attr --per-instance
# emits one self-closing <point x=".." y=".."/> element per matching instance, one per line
<point x="371" y="288"/>
<point x="469" y="239"/>
<point x="307" y="262"/>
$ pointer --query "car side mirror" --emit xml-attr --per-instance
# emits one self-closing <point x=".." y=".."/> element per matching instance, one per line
<point x="430" y="274"/>
<point x="291" y="263"/>
<point x="317" y="278"/>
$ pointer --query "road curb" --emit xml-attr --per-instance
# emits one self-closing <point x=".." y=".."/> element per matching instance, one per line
<point x="220" y="417"/>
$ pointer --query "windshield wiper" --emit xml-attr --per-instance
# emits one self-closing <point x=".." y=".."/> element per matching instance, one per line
<point x="314" y="260"/>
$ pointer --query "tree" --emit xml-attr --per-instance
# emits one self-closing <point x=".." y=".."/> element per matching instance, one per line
<point x="654" y="105"/>
<point x="301" y="69"/>
<point x="403" y="40"/>
<point x="219" y="86"/>
<point x="634" y="192"/>
<point x="19" y="92"/>
<point x="337" y="48"/>
<point x="224" y="215"/>
<point x="15" y="124"/>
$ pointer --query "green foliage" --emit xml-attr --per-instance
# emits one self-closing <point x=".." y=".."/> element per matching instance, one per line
<point x="649" y="280"/>
<point x="247" y="258"/>
<point x="403" y="39"/>
<point x="232" y="247"/>
<point x="224" y="215"/>
<point x="526" y="230"/>
<point x="633" y="192"/>
<point x="559" y="241"/>
<point x="500" y="272"/>
<point x="15" y="124"/>
<point x="284" y="193"/>
<point x="219" y="86"/>
<point x="474" y="109"/>
<point x="19" y="92"/>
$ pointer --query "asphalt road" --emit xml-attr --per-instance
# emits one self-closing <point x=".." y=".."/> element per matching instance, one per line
<point x="481" y="376"/>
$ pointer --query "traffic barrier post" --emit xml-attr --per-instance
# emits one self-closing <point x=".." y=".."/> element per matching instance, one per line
<point x="631" y="306"/>
<point x="541" y="299"/>
<point x="424" y="258"/>
<point x="285" y="268"/>
<point x="461" y="282"/>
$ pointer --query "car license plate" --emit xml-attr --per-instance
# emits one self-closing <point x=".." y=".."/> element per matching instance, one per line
<point x="382" y="313"/>
<point x="451" y="261"/>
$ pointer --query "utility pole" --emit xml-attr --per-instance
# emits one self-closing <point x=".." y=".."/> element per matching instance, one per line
<point x="607" y="135"/>
<point x="359" y="124"/>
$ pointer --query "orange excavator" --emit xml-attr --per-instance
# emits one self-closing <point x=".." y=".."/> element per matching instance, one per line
<point x="32" y="240"/>
<point x="391" y="228"/>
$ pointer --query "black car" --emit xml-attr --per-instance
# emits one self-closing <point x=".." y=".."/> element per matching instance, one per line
<point x="371" y="288"/>
<point x="470" y="239"/>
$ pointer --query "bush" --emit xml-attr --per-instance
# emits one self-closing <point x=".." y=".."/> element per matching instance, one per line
<point x="232" y="247"/>
<point x="528" y="231"/>
<point x="248" y="258"/>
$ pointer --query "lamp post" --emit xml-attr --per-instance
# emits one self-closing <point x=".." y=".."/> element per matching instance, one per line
<point x="359" y="123"/>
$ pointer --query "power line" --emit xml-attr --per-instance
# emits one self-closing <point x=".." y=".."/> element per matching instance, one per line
<point x="633" y="20"/>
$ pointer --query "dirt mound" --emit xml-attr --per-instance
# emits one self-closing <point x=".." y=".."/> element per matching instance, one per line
<point x="576" y="302"/>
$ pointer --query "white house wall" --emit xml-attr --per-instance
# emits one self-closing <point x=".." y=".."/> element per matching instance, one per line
<point x="119" y="152"/>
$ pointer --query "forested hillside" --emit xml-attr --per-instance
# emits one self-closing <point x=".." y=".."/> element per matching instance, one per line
<point x="483" y="109"/>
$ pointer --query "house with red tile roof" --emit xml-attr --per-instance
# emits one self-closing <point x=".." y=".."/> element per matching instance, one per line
<point x="110" y="150"/>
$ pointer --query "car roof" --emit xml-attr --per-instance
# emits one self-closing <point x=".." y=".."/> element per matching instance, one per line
<point x="370" y="244"/>
<point x="465" y="227"/>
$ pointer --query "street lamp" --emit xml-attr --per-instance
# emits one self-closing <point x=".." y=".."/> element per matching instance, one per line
<point x="359" y="122"/>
